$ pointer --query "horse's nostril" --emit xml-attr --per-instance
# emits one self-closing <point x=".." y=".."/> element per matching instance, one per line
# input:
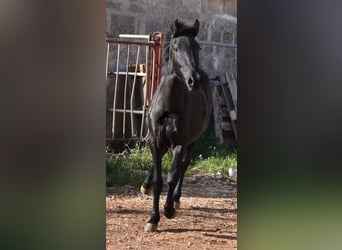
<point x="191" y="81"/>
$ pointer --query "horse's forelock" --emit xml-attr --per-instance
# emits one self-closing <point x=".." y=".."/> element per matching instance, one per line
<point x="166" y="45"/>
<point x="184" y="29"/>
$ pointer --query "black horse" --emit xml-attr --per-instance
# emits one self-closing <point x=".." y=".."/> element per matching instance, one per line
<point x="177" y="117"/>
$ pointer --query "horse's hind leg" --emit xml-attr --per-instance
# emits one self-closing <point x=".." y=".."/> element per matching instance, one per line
<point x="178" y="191"/>
<point x="172" y="180"/>
<point x="157" y="182"/>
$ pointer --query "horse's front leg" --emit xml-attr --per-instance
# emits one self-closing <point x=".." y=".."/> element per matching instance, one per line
<point x="147" y="184"/>
<point x="172" y="180"/>
<point x="178" y="191"/>
<point x="157" y="183"/>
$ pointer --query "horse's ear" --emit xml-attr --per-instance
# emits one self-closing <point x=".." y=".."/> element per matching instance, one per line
<point x="196" y="26"/>
<point x="176" y="26"/>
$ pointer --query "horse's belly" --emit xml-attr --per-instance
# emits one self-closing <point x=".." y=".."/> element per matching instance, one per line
<point x="198" y="117"/>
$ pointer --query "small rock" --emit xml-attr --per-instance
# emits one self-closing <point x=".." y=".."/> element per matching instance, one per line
<point x="232" y="173"/>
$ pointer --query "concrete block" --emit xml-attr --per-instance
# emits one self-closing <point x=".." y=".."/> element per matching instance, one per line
<point x="214" y="7"/>
<point x="216" y="36"/>
<point x="113" y="5"/>
<point x="121" y="24"/>
<point x="227" y="37"/>
<point x="194" y="5"/>
<point x="136" y="8"/>
<point x="152" y="26"/>
<point x="159" y="12"/>
<point x="202" y="34"/>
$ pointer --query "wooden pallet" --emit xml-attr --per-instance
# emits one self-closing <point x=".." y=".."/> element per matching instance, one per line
<point x="225" y="106"/>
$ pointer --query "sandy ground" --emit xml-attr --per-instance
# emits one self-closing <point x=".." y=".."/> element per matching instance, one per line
<point x="206" y="220"/>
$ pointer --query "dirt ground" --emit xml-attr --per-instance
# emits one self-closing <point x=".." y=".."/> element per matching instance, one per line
<point x="206" y="219"/>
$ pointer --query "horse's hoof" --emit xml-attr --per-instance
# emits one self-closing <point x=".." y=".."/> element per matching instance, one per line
<point x="170" y="214"/>
<point x="176" y="204"/>
<point x="150" y="227"/>
<point x="145" y="190"/>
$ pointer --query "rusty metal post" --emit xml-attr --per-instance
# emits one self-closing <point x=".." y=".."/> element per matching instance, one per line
<point x="157" y="38"/>
<point x="125" y="92"/>
<point x="115" y="90"/>
<point x="148" y="80"/>
<point x="133" y="88"/>
<point x="107" y="59"/>
<point x="157" y="48"/>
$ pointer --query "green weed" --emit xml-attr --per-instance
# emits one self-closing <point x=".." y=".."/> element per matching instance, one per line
<point x="207" y="157"/>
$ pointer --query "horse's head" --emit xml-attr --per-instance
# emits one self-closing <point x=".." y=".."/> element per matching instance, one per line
<point x="184" y="53"/>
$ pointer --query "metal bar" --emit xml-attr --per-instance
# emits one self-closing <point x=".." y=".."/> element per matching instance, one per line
<point x="133" y="88"/>
<point x="127" y="110"/>
<point x="153" y="72"/>
<point x="130" y="42"/>
<point x="229" y="45"/>
<point x="158" y="48"/>
<point x="125" y="91"/>
<point x="107" y="60"/>
<point x="148" y="78"/>
<point x="129" y="36"/>
<point x="115" y="90"/>
<point x="129" y="73"/>
<point x="114" y="39"/>
<point x="134" y="36"/>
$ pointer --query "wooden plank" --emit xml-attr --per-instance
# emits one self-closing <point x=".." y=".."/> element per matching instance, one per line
<point x="233" y="115"/>
<point x="221" y="100"/>
<point x="232" y="88"/>
<point x="226" y="126"/>
<point x="224" y="112"/>
<point x="229" y="103"/>
<point x="217" y="120"/>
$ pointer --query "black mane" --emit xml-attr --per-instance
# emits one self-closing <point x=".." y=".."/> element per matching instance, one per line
<point x="166" y="48"/>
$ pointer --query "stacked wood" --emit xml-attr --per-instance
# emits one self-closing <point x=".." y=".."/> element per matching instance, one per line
<point x="225" y="108"/>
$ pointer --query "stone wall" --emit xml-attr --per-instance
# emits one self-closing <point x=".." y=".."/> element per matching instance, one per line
<point x="218" y="19"/>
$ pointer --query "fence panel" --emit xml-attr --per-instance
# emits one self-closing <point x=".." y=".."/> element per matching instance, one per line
<point x="133" y="70"/>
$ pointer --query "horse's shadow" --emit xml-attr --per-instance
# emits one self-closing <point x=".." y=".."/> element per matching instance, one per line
<point x="126" y="211"/>
<point x="206" y="232"/>
<point x="213" y="210"/>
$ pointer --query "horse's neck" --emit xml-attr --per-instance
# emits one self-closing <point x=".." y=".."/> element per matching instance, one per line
<point x="172" y="92"/>
<point x="178" y="86"/>
<point x="169" y="69"/>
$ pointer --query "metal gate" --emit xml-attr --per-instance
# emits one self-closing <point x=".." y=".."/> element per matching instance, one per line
<point x="133" y="72"/>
